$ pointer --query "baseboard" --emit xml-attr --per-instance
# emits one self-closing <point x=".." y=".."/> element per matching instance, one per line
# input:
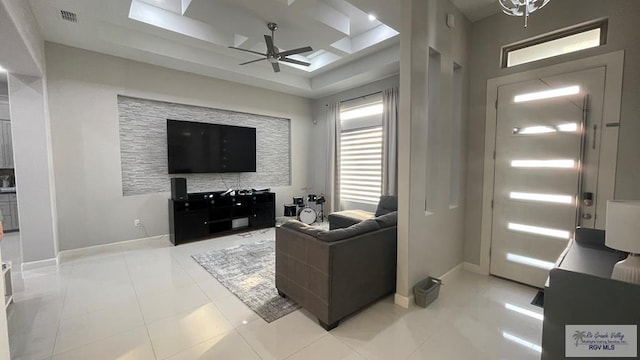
<point x="403" y="301"/>
<point x="475" y="268"/>
<point x="68" y="255"/>
<point x="451" y="273"/>
<point x="38" y="264"/>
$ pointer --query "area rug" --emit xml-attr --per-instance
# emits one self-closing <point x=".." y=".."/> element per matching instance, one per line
<point x="248" y="271"/>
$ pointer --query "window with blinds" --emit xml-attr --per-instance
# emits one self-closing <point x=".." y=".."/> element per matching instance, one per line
<point x="361" y="143"/>
<point x="361" y="165"/>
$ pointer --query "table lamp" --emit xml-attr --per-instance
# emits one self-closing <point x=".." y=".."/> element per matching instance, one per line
<point x="623" y="233"/>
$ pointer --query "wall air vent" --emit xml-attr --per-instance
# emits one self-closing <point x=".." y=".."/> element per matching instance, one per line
<point x="69" y="16"/>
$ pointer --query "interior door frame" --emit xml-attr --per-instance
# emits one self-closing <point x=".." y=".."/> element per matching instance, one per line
<point x="614" y="63"/>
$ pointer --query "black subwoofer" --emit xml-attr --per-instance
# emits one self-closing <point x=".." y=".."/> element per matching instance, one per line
<point x="178" y="189"/>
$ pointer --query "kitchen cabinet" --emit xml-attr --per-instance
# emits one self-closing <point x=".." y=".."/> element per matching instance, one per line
<point x="6" y="145"/>
<point x="6" y="142"/>
<point x="9" y="208"/>
<point x="4" y="108"/>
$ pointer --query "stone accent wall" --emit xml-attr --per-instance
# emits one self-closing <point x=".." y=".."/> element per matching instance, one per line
<point x="143" y="147"/>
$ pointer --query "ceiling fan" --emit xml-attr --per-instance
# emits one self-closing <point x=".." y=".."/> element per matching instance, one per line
<point x="273" y="54"/>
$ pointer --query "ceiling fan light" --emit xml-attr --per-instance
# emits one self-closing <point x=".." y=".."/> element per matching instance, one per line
<point x="273" y="54"/>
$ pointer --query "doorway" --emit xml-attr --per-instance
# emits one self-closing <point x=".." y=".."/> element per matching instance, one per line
<point x="551" y="144"/>
<point x="542" y="132"/>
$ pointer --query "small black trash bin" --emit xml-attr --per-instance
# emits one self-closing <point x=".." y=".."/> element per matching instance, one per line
<point x="426" y="291"/>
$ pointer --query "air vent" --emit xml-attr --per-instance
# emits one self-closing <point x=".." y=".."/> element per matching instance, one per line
<point x="69" y="16"/>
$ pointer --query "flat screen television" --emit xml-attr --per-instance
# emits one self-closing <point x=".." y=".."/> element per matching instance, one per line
<point x="195" y="147"/>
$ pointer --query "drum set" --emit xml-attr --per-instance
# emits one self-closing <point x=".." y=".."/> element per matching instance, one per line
<point x="303" y="210"/>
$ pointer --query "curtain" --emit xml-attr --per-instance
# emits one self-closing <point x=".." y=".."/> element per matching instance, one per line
<point x="333" y="155"/>
<point x="390" y="142"/>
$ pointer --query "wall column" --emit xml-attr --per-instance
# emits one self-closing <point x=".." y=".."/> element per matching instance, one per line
<point x="33" y="168"/>
<point x="430" y="238"/>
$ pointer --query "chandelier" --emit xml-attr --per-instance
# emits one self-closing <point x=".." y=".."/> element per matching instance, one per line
<point x="522" y="7"/>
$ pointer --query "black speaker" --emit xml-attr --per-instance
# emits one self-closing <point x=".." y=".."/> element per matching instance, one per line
<point x="178" y="188"/>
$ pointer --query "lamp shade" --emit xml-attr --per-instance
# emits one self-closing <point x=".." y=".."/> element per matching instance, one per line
<point x="623" y="226"/>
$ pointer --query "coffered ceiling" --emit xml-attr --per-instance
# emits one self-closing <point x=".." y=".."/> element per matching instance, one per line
<point x="354" y="41"/>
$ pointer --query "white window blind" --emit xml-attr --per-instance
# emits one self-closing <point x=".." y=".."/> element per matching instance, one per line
<point x="361" y="165"/>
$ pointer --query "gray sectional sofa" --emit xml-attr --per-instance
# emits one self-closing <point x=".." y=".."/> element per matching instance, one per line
<point x="337" y="272"/>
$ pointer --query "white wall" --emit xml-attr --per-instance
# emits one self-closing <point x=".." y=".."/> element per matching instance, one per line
<point x="490" y="34"/>
<point x="83" y="88"/>
<point x="428" y="244"/>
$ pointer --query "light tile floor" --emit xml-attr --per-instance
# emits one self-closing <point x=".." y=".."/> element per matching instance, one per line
<point x="150" y="300"/>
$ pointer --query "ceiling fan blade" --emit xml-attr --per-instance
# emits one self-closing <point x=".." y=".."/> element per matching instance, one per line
<point x="252" y="61"/>
<point x="295" y="51"/>
<point x="249" y="51"/>
<point x="270" y="48"/>
<point x="295" y="61"/>
<point x="276" y="67"/>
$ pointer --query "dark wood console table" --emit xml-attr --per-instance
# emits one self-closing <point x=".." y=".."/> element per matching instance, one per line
<point x="210" y="214"/>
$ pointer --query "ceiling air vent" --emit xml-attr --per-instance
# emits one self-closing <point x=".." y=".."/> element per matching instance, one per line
<point x="69" y="16"/>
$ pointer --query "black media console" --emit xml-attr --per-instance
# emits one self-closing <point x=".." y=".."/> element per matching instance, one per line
<point x="205" y="215"/>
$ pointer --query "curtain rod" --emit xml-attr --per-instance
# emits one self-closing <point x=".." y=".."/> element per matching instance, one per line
<point x="358" y="97"/>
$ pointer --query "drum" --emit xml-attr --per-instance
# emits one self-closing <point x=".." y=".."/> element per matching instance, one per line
<point x="290" y="210"/>
<point x="312" y="198"/>
<point x="307" y="215"/>
<point x="298" y="201"/>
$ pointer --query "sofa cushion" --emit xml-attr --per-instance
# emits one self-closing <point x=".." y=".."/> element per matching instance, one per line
<point x="360" y="228"/>
<point x="387" y="204"/>
<point x="355" y="214"/>
<point x="387" y="220"/>
<point x="346" y="218"/>
<point x="302" y="227"/>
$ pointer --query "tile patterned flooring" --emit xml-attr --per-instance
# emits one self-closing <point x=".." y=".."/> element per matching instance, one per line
<point x="150" y="300"/>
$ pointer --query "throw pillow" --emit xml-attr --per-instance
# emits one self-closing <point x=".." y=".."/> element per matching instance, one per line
<point x="387" y="204"/>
